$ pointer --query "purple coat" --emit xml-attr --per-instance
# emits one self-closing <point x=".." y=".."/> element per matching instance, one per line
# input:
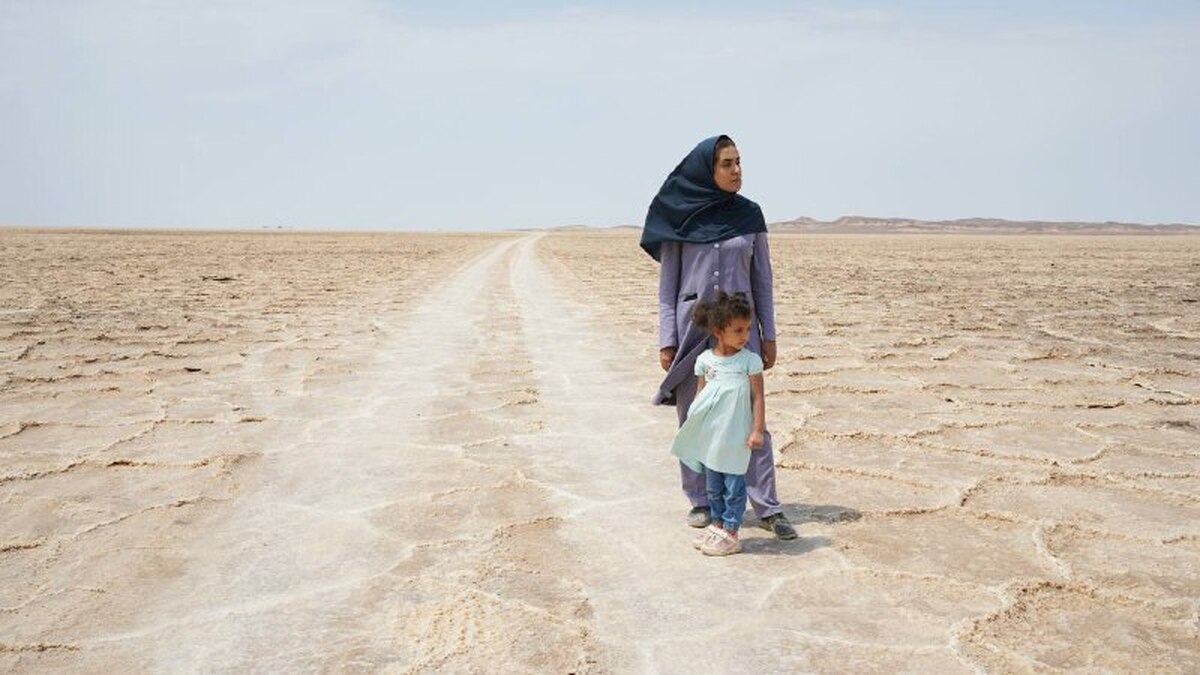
<point x="695" y="272"/>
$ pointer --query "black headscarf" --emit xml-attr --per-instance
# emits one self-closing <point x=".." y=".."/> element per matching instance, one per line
<point x="690" y="207"/>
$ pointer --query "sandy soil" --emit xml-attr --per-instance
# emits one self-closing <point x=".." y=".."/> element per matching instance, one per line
<point x="434" y="453"/>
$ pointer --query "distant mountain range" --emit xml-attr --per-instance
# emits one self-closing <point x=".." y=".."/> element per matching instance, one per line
<point x="866" y="225"/>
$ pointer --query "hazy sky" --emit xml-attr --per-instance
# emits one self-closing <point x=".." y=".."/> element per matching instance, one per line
<point x="367" y="114"/>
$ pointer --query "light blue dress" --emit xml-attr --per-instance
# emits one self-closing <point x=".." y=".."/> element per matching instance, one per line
<point x="720" y="419"/>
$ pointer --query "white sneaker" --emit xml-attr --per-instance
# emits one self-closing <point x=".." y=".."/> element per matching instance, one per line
<point x="724" y="544"/>
<point x="708" y="533"/>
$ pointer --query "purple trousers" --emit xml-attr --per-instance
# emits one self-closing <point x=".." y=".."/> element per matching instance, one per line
<point x="760" y="475"/>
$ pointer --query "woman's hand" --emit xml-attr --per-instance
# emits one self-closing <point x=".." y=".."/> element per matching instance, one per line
<point x="768" y="355"/>
<point x="665" y="356"/>
<point x="755" y="442"/>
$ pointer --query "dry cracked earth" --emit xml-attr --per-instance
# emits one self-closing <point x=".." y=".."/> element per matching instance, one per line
<point x="420" y="453"/>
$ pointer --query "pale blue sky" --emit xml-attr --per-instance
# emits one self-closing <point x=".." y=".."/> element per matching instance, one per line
<point x="364" y="114"/>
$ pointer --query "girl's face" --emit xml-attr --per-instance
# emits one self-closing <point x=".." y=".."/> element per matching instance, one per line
<point x="727" y="170"/>
<point x="734" y="335"/>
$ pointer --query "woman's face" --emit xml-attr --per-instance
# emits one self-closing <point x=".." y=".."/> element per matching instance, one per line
<point x="727" y="172"/>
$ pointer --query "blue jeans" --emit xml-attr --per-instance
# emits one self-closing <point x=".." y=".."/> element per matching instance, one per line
<point x="726" y="498"/>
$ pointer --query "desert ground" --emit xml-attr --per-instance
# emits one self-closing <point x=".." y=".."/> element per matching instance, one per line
<point x="435" y="453"/>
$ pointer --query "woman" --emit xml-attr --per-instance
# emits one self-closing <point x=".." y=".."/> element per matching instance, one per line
<point x="708" y="238"/>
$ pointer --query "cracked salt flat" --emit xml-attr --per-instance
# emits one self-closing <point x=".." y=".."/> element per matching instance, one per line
<point x="525" y="512"/>
<point x="1024" y="442"/>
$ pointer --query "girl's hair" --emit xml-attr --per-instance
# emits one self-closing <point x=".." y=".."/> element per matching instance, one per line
<point x="716" y="314"/>
<point x="723" y="142"/>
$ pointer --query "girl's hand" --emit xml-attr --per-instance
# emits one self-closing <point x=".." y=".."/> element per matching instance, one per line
<point x="768" y="354"/>
<point x="755" y="442"/>
<point x="665" y="356"/>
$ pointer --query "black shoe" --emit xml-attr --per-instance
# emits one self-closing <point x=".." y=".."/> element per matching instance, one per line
<point x="700" y="516"/>
<point x="779" y="526"/>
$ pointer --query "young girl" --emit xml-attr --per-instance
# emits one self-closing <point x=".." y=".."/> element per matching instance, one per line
<point x="725" y="421"/>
